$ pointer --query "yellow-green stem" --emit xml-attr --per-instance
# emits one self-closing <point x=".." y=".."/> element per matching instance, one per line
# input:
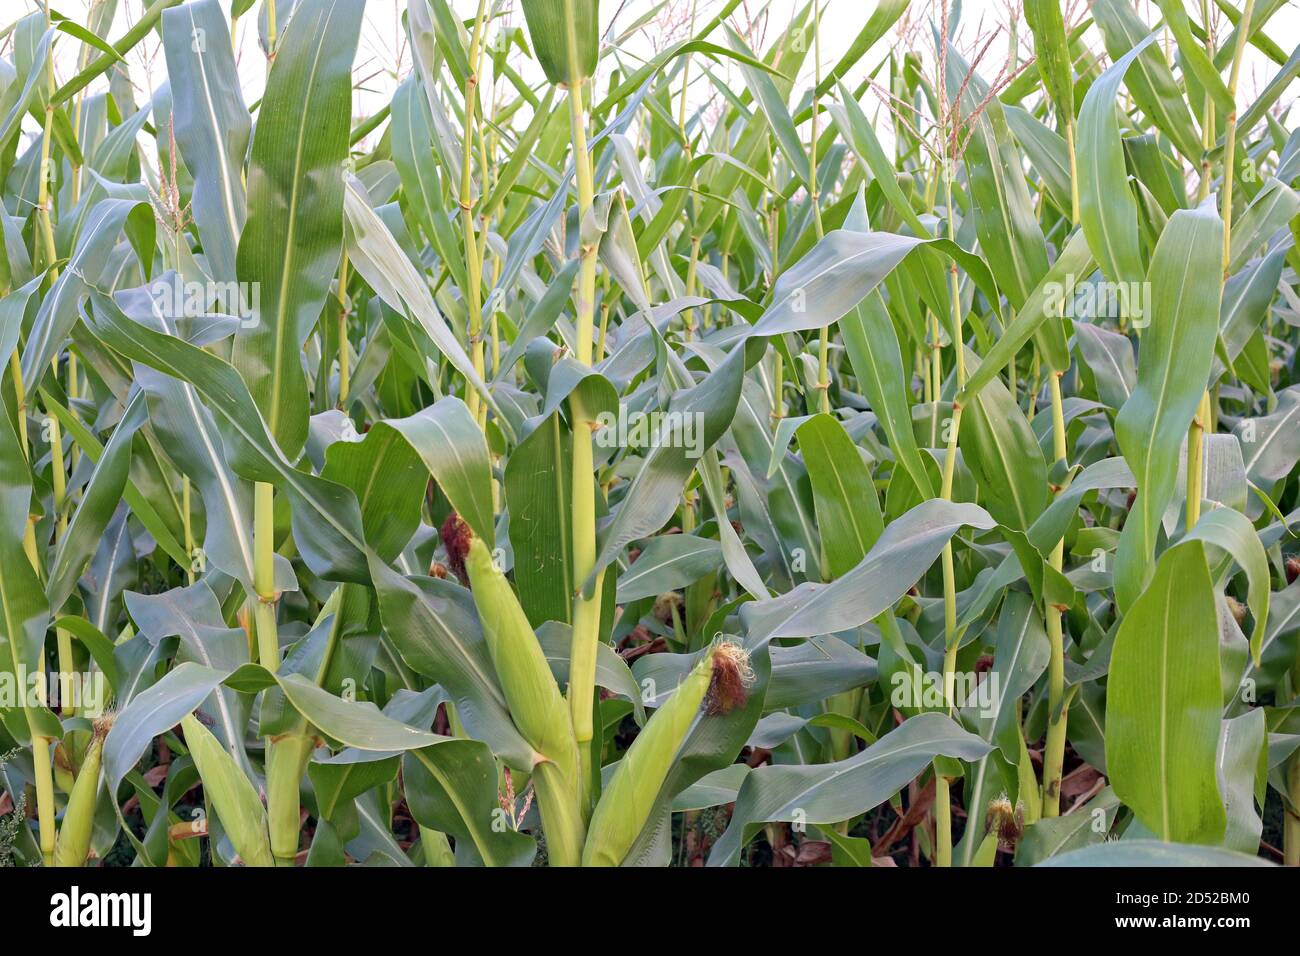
<point x="814" y="193"/>
<point x="686" y="80"/>
<point x="74" y="393"/>
<point x="43" y="199"/>
<point x="44" y="208"/>
<point x="823" y="372"/>
<point x="63" y="639"/>
<point x="942" y="796"/>
<point x="188" y="527"/>
<point x="1074" y="172"/>
<point x="58" y="479"/>
<point x="264" y="623"/>
<point x="778" y="387"/>
<point x="813" y="188"/>
<point x="345" y="354"/>
<point x="936" y="359"/>
<point x="692" y="267"/>
<point x="1054" y="747"/>
<point x="1207" y="139"/>
<point x="20" y="397"/>
<point x="1196" y="461"/>
<point x="473" y="254"/>
<point x="42" y="765"/>
<point x="496" y="325"/>
<point x="270" y="33"/>
<point x="287" y="754"/>
<point x="586" y="607"/>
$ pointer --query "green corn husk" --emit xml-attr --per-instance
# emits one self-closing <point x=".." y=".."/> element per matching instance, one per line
<point x="286" y="761"/>
<point x="549" y="31"/>
<point x="230" y="795"/>
<point x="536" y="704"/>
<point x="987" y="853"/>
<point x="626" y="803"/>
<point x="558" y="802"/>
<point x="73" y="846"/>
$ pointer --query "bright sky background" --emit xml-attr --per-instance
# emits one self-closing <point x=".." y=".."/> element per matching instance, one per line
<point x="384" y="57"/>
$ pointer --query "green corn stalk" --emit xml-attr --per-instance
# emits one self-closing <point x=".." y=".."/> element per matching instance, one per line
<point x="947" y="159"/>
<point x="286" y="756"/>
<point x="42" y="764"/>
<point x="473" y="249"/>
<point x="1058" y="708"/>
<point x="286" y="760"/>
<point x="565" y="35"/>
<point x="289" y="752"/>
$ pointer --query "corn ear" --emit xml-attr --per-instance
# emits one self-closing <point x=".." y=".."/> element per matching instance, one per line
<point x="73" y="846"/>
<point x="536" y="704"/>
<point x="531" y="692"/>
<point x="626" y="803"/>
<point x="565" y="36"/>
<point x="1005" y="825"/>
<point x="230" y="795"/>
<point x="64" y="778"/>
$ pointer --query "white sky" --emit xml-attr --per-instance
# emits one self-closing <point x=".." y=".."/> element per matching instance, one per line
<point x="384" y="58"/>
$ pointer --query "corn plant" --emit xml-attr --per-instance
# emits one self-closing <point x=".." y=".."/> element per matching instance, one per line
<point x="726" y="454"/>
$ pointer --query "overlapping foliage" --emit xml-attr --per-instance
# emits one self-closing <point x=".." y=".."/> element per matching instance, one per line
<point x="584" y="460"/>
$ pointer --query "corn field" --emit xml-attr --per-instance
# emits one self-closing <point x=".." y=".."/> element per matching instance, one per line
<point x="640" y="436"/>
